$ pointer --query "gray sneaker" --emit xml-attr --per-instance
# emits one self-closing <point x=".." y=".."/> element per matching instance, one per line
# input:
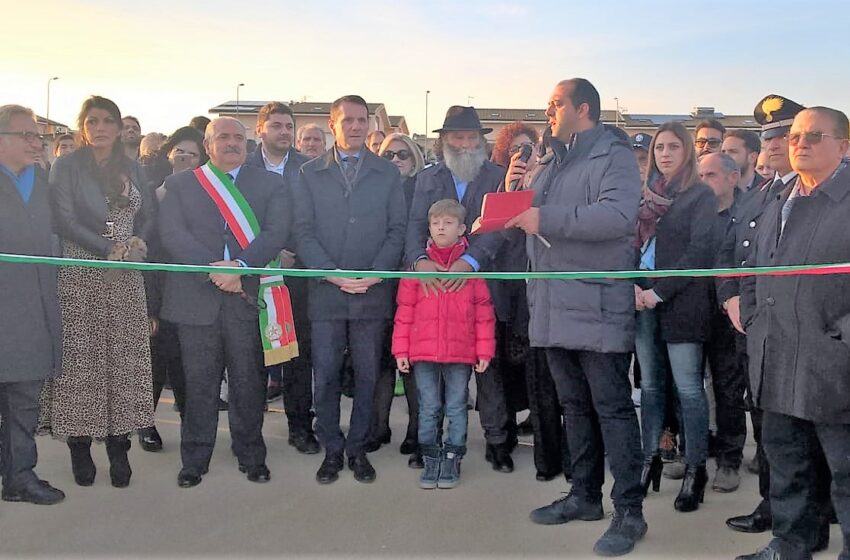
<point x="567" y="508"/>
<point x="726" y="479"/>
<point x="431" y="473"/>
<point x="449" y="469"/>
<point x="625" y="530"/>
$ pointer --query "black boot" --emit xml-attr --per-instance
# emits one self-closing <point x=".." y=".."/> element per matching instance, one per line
<point x="119" y="466"/>
<point x="81" y="461"/>
<point x="693" y="489"/>
<point x="651" y="474"/>
<point x="499" y="457"/>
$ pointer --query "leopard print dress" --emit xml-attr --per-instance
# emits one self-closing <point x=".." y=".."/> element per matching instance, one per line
<point x="105" y="387"/>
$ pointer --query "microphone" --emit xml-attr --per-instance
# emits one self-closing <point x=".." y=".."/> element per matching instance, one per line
<point x="525" y="155"/>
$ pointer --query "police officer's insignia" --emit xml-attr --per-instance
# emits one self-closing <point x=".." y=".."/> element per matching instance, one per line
<point x="274" y="332"/>
<point x="770" y="106"/>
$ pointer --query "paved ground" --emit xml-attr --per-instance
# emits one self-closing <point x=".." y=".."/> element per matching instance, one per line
<point x="227" y="516"/>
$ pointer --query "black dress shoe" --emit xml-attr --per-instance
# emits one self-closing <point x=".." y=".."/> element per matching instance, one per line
<point x="363" y="470"/>
<point x="546" y="477"/>
<point x="499" y="457"/>
<point x="304" y="442"/>
<point x="188" y="478"/>
<point x="36" y="492"/>
<point x="408" y="446"/>
<point x="758" y="521"/>
<point x="415" y="460"/>
<point x="776" y="551"/>
<point x="150" y="440"/>
<point x="256" y="473"/>
<point x="329" y="471"/>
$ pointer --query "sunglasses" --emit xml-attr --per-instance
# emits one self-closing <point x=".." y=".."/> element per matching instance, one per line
<point x="403" y="155"/>
<point x="712" y="142"/>
<point x="27" y="136"/>
<point x="811" y="137"/>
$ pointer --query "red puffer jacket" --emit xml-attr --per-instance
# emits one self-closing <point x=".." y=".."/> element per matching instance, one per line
<point x="449" y="328"/>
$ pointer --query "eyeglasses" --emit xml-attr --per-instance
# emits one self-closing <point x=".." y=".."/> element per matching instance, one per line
<point x="712" y="142"/>
<point x="27" y="136"/>
<point x="811" y="137"/>
<point x="403" y="155"/>
<point x="515" y="149"/>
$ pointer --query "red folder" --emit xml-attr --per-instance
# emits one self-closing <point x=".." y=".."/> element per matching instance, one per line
<point x="499" y="207"/>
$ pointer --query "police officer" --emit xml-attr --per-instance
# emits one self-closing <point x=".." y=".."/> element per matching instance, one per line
<point x="776" y="114"/>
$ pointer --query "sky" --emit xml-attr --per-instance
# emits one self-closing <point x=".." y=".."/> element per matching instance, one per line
<point x="166" y="61"/>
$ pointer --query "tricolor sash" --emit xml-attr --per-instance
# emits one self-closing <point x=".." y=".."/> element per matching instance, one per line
<point x="277" y="328"/>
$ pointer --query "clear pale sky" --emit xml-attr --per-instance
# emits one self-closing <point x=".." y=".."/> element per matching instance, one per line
<point x="166" y="61"/>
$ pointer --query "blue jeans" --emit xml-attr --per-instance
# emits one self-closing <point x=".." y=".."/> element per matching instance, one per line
<point x="442" y="386"/>
<point x="686" y="364"/>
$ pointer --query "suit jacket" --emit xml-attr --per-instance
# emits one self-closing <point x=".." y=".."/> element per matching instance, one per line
<point x="80" y="207"/>
<point x="358" y="230"/>
<point x="293" y="164"/>
<point x="30" y="321"/>
<point x="192" y="231"/>
<point x="436" y="183"/>
<point x="798" y="339"/>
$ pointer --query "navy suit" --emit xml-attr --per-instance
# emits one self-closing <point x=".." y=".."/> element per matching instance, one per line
<point x="361" y="228"/>
<point x="218" y="329"/>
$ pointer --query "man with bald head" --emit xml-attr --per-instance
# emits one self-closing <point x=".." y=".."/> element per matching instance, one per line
<point x="218" y="314"/>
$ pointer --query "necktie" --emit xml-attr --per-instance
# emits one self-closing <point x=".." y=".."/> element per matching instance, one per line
<point x="349" y="167"/>
<point x="776" y="186"/>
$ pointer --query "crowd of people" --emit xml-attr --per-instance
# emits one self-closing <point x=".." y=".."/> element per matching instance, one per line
<point x="87" y="351"/>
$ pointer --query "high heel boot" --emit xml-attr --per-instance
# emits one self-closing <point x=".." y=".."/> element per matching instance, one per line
<point x="693" y="488"/>
<point x="651" y="474"/>
<point x="119" y="466"/>
<point x="81" y="461"/>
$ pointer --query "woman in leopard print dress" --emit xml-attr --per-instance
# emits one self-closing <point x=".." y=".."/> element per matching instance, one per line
<point x="102" y="211"/>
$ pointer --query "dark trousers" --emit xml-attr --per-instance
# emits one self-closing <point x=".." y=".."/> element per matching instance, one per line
<point x="551" y="452"/>
<point x="803" y="455"/>
<point x="18" y="422"/>
<point x="491" y="405"/>
<point x="595" y="394"/>
<point x="235" y="344"/>
<point x="167" y="364"/>
<point x="729" y="379"/>
<point x="756" y="417"/>
<point x="364" y="338"/>
<point x="385" y="392"/>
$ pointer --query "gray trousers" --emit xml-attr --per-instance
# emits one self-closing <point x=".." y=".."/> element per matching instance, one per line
<point x="18" y="423"/>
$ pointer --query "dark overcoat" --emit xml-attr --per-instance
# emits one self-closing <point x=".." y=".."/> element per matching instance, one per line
<point x="30" y="320"/>
<point x="798" y="339"/>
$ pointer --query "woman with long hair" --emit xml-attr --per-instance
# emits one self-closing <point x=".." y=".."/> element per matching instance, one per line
<point x="406" y="156"/>
<point x="675" y="226"/>
<point x="102" y="211"/>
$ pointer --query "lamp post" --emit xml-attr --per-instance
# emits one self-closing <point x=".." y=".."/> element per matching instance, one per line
<point x="237" y="97"/>
<point x="47" y="114"/>
<point x="617" y="115"/>
<point x="469" y="99"/>
<point x="427" y="93"/>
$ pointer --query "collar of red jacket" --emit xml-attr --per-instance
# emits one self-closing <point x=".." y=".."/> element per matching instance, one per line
<point x="445" y="256"/>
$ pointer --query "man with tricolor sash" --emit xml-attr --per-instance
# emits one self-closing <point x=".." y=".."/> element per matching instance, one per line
<point x="226" y="214"/>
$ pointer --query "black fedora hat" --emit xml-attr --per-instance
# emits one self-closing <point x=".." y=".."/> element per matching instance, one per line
<point x="460" y="118"/>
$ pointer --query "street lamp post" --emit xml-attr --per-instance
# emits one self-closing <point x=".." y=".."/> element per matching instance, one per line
<point x="469" y="99"/>
<point x="617" y="115"/>
<point x="427" y="93"/>
<point x="47" y="113"/>
<point x="237" y="97"/>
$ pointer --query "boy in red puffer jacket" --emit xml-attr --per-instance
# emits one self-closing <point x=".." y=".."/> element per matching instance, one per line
<point x="444" y="336"/>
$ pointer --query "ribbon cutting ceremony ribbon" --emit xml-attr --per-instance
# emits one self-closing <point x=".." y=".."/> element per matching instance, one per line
<point x="803" y="269"/>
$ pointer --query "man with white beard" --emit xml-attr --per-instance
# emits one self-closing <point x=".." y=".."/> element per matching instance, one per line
<point x="465" y="175"/>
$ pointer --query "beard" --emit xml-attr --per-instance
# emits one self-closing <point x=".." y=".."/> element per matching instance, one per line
<point x="465" y="164"/>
